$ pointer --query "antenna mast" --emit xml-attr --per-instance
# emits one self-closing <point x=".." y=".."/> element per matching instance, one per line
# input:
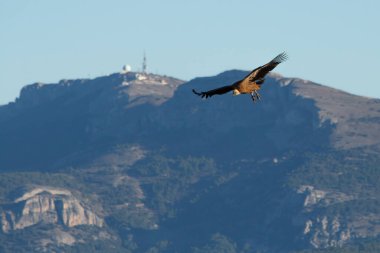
<point x="144" y="64"/>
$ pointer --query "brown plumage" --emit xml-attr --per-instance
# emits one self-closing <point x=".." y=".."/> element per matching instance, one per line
<point x="249" y="84"/>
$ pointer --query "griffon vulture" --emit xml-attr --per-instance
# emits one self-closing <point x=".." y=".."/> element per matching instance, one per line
<point x="249" y="84"/>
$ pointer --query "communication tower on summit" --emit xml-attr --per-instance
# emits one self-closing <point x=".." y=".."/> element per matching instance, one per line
<point x="144" y="64"/>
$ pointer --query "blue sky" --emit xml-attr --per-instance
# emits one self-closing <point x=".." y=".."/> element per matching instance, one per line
<point x="332" y="42"/>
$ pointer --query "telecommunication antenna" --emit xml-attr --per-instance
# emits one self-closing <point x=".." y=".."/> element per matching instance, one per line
<point x="144" y="64"/>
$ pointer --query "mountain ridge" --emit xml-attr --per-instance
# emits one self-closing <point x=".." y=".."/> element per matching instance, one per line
<point x="298" y="167"/>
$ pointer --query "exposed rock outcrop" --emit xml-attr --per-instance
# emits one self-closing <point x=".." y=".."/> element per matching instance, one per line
<point x="327" y="230"/>
<point x="315" y="197"/>
<point x="323" y="232"/>
<point x="48" y="206"/>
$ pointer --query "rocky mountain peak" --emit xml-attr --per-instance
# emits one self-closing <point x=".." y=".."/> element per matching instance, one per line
<point x="130" y="85"/>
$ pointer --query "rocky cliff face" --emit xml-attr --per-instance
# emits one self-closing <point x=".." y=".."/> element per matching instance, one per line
<point x="323" y="230"/>
<point x="45" y="205"/>
<point x="356" y="119"/>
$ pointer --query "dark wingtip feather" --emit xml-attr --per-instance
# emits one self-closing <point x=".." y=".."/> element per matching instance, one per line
<point x="201" y="94"/>
<point x="280" y="58"/>
<point x="196" y="93"/>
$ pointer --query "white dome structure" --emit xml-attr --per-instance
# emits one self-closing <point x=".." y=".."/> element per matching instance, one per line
<point x="127" y="68"/>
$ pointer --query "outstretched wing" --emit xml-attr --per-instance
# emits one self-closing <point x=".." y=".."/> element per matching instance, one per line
<point x="261" y="71"/>
<point x="218" y="91"/>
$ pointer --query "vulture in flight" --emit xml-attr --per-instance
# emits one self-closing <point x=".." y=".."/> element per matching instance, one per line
<point x="249" y="84"/>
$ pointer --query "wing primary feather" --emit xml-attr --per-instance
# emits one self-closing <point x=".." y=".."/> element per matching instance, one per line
<point x="218" y="91"/>
<point x="280" y="58"/>
<point x="197" y="93"/>
<point x="201" y="94"/>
